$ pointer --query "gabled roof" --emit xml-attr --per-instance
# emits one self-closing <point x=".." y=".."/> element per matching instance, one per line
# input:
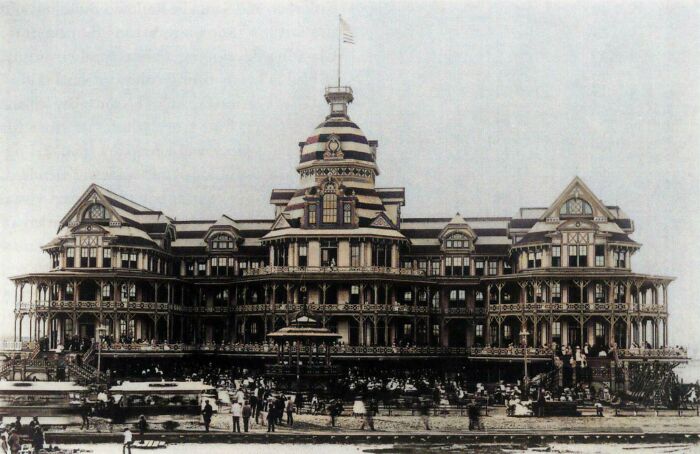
<point x="457" y="223"/>
<point x="577" y="188"/>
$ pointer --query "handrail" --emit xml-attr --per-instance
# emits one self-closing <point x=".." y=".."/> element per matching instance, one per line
<point x="270" y="269"/>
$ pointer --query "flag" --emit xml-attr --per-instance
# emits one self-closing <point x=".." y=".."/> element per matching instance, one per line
<point x="346" y="32"/>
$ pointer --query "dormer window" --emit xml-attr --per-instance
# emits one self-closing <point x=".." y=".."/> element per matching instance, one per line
<point x="96" y="212"/>
<point x="457" y="241"/>
<point x="222" y="241"/>
<point x="576" y="207"/>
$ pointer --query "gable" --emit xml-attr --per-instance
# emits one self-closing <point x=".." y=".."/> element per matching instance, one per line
<point x="382" y="221"/>
<point x="578" y="200"/>
<point x="280" y="223"/>
<point x="91" y="197"/>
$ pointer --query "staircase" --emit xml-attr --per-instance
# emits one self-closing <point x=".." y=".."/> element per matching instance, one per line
<point x="6" y="367"/>
<point x="90" y="353"/>
<point x="84" y="374"/>
<point x="36" y="349"/>
<point x="27" y="366"/>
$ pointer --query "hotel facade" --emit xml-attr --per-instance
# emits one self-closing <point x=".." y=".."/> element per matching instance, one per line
<point x="455" y="288"/>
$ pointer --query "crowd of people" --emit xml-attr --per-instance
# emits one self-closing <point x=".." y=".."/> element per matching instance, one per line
<point x="12" y="434"/>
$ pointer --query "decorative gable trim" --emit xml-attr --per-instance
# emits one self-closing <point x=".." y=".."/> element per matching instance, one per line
<point x="281" y="223"/>
<point x="382" y="221"/>
<point x="578" y="189"/>
<point x="91" y="195"/>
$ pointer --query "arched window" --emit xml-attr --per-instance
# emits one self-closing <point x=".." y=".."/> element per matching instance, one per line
<point x="576" y="207"/>
<point x="96" y="212"/>
<point x="330" y="208"/>
<point x="457" y="241"/>
<point x="222" y="241"/>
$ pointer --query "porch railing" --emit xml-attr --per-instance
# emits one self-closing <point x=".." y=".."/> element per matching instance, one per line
<point x="266" y="270"/>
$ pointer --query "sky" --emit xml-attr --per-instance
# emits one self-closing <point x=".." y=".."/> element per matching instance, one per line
<point x="196" y="108"/>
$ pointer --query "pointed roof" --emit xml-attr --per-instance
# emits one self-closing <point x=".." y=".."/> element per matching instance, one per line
<point x="578" y="189"/>
<point x="282" y="222"/>
<point x="457" y="223"/>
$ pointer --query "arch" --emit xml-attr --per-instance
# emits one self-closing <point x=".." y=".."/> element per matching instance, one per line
<point x="96" y="212"/>
<point x="576" y="206"/>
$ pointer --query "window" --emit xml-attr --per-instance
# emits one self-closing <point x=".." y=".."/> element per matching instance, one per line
<point x="458" y="297"/>
<point x="538" y="259"/>
<point x="576" y="207"/>
<point x="531" y="259"/>
<point x="54" y="260"/>
<point x="128" y="259"/>
<point x="128" y="292"/>
<point x="354" y="294"/>
<point x="507" y="332"/>
<point x="436" y="331"/>
<point x="599" y="255"/>
<point x="347" y="213"/>
<point x="201" y="268"/>
<point x="84" y="257"/>
<point x="457" y="241"/>
<point x="423" y="265"/>
<point x="578" y="255"/>
<point x="70" y="257"/>
<point x="507" y="269"/>
<point x="330" y="208"/>
<point x="435" y="268"/>
<point x="407" y="297"/>
<point x="107" y="292"/>
<point x="556" y="292"/>
<point x="479" y="296"/>
<point x="556" y="255"/>
<point x="222" y="241"/>
<point x="620" y="292"/>
<point x="479" y="267"/>
<point x="329" y="253"/>
<point x="556" y="332"/>
<point x="222" y="266"/>
<point x="106" y="258"/>
<point x="95" y="212"/>
<point x="221" y="298"/>
<point x="599" y="330"/>
<point x="312" y="214"/>
<point x="620" y="259"/>
<point x="493" y="268"/>
<point x="406" y="329"/>
<point x="454" y="267"/>
<point x="599" y="293"/>
<point x="69" y="291"/>
<point x="479" y="330"/>
<point x="303" y="254"/>
<point x="189" y="268"/>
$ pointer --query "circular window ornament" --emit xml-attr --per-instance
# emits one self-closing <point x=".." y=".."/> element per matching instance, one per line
<point x="578" y="224"/>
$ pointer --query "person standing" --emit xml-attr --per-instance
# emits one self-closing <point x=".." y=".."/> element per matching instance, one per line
<point x="4" y="447"/>
<point x="128" y="439"/>
<point x="289" y="407"/>
<point x="253" y="402"/>
<point x="425" y="413"/>
<point x="236" y="417"/>
<point x="246" y="413"/>
<point x="14" y="442"/>
<point x="271" y="416"/>
<point x="85" y="415"/>
<point x="37" y="439"/>
<point x="206" y="415"/>
<point x="143" y="426"/>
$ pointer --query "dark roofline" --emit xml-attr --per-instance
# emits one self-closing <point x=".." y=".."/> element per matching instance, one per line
<point x="474" y="219"/>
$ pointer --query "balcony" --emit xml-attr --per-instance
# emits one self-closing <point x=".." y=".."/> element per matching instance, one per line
<point x="69" y="305"/>
<point x="270" y="349"/>
<point x="571" y="307"/>
<point x="333" y="270"/>
<point x="670" y="353"/>
<point x="510" y="352"/>
<point x="393" y="309"/>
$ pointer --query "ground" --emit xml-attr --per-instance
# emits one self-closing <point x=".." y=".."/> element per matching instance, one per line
<point x="497" y="421"/>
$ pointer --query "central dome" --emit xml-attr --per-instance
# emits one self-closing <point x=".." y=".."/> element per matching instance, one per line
<point x="338" y="141"/>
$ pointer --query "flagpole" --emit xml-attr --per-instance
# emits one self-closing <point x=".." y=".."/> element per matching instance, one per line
<point x="339" y="41"/>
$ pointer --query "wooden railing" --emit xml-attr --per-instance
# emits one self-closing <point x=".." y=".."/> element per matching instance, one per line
<point x="267" y="270"/>
<point x="270" y="348"/>
<point x="658" y="353"/>
<point x="510" y="352"/>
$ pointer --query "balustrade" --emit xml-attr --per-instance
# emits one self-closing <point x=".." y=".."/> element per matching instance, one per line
<point x="267" y="270"/>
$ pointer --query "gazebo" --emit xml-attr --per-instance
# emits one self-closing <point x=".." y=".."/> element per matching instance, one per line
<point x="303" y="351"/>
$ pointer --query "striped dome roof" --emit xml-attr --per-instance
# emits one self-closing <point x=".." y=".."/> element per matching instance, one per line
<point x="354" y="145"/>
